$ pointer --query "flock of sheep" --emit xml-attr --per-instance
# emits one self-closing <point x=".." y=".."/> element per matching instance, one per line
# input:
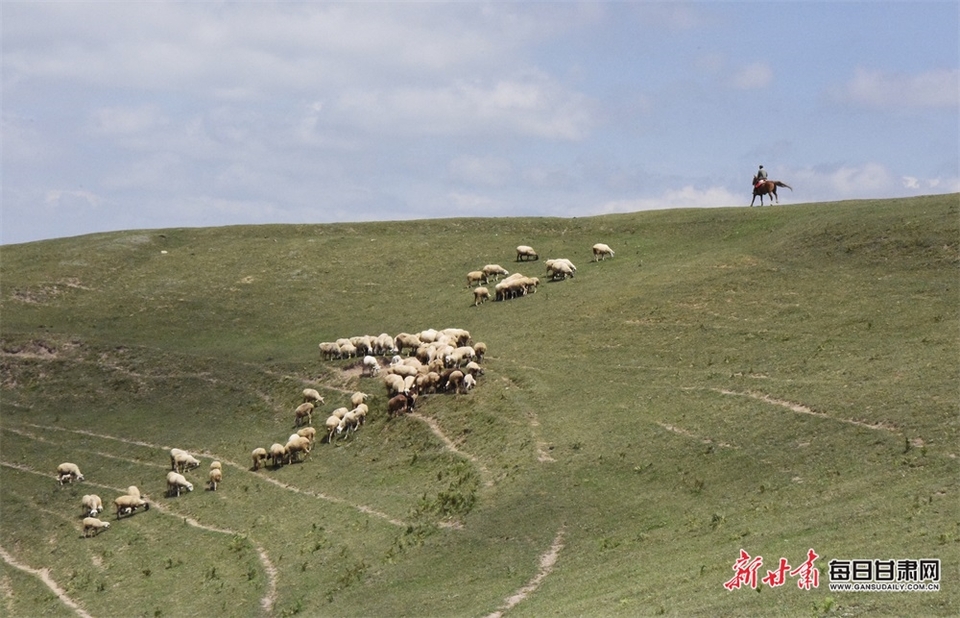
<point x="517" y="284"/>
<point x="129" y="502"/>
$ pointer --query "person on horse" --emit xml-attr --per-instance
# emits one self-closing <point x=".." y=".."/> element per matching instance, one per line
<point x="761" y="177"/>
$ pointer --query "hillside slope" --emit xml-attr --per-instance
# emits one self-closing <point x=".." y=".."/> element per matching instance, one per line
<point x="770" y="380"/>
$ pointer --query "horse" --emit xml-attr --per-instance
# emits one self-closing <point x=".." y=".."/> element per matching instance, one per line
<point x="767" y="187"/>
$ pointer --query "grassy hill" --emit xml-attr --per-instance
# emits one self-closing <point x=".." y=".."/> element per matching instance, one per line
<point x="773" y="379"/>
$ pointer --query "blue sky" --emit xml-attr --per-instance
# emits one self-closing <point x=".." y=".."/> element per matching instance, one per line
<point x="153" y="115"/>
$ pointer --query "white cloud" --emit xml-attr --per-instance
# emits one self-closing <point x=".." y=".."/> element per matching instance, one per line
<point x="490" y="171"/>
<point x="120" y="121"/>
<point x="684" y="197"/>
<point x="879" y="90"/>
<point x="531" y="105"/>
<point x="753" y="77"/>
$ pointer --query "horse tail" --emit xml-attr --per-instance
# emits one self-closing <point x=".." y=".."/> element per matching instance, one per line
<point x="782" y="184"/>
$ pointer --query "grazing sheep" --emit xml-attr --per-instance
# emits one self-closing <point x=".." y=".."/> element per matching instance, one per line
<point x="348" y="350"/>
<point x="134" y="491"/>
<point x="371" y="366"/>
<point x="455" y="380"/>
<point x="480" y="296"/>
<point x="473" y="369"/>
<point x="277" y="454"/>
<point x="176" y="482"/>
<point x="524" y="253"/>
<point x="601" y="251"/>
<point x="329" y="350"/>
<point x="181" y="461"/>
<point x="403" y="370"/>
<point x="92" y="524"/>
<point x="394" y="384"/>
<point x="340" y="412"/>
<point x="468" y="382"/>
<point x="560" y="268"/>
<point x="357" y="398"/>
<point x="308" y="432"/>
<point x="216" y="465"/>
<point x="311" y="395"/>
<point x="495" y="270"/>
<point x="360" y="412"/>
<point x="304" y="410"/>
<point x="406" y="341"/>
<point x="476" y="277"/>
<point x="259" y="456"/>
<point x="480" y="349"/>
<point x="384" y="345"/>
<point x="68" y="472"/>
<point x="333" y="424"/>
<point x="91" y="504"/>
<point x="427" y="383"/>
<point x="216" y="476"/>
<point x="127" y="504"/>
<point x="350" y="422"/>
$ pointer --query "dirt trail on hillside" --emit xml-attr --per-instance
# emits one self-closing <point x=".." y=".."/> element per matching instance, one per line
<point x="450" y="446"/>
<point x="802" y="409"/>
<point x="44" y="575"/>
<point x="547" y="561"/>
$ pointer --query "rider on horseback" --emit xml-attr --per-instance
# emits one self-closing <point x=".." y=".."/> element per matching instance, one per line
<point x="761" y="177"/>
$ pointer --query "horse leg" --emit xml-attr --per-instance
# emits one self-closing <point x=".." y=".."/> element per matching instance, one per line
<point x="754" y="199"/>
<point x="775" y="195"/>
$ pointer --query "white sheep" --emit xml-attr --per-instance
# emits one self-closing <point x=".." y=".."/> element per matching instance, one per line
<point x="350" y="422"/>
<point x="371" y="366"/>
<point x="468" y="382"/>
<point x="68" y="472"/>
<point x="394" y="384"/>
<point x="216" y="476"/>
<point x="601" y="251"/>
<point x="348" y="350"/>
<point x="476" y="277"/>
<point x="480" y="349"/>
<point x="360" y="412"/>
<point x="495" y="270"/>
<point x="329" y="350"/>
<point x="480" y="295"/>
<point x="303" y="411"/>
<point x="384" y="345"/>
<point x="334" y="424"/>
<point x="127" y="504"/>
<point x="216" y="465"/>
<point x="455" y="380"/>
<point x="308" y="432"/>
<point x="357" y="398"/>
<point x="560" y="268"/>
<point x="525" y="252"/>
<point x="176" y="482"/>
<point x="406" y="341"/>
<point x="91" y="504"/>
<point x="181" y="461"/>
<point x="94" y="525"/>
<point x="311" y="395"/>
<point x="134" y="491"/>
<point x="259" y="456"/>
<point x="277" y="453"/>
<point x="473" y="368"/>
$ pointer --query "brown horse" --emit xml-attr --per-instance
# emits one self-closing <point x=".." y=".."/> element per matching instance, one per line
<point x="767" y="187"/>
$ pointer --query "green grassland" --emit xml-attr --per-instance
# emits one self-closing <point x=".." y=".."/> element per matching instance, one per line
<point x="772" y="379"/>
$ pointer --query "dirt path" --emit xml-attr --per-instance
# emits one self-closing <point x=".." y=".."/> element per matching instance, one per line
<point x="547" y="561"/>
<point x="802" y="409"/>
<point x="450" y="446"/>
<point x="44" y="575"/>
